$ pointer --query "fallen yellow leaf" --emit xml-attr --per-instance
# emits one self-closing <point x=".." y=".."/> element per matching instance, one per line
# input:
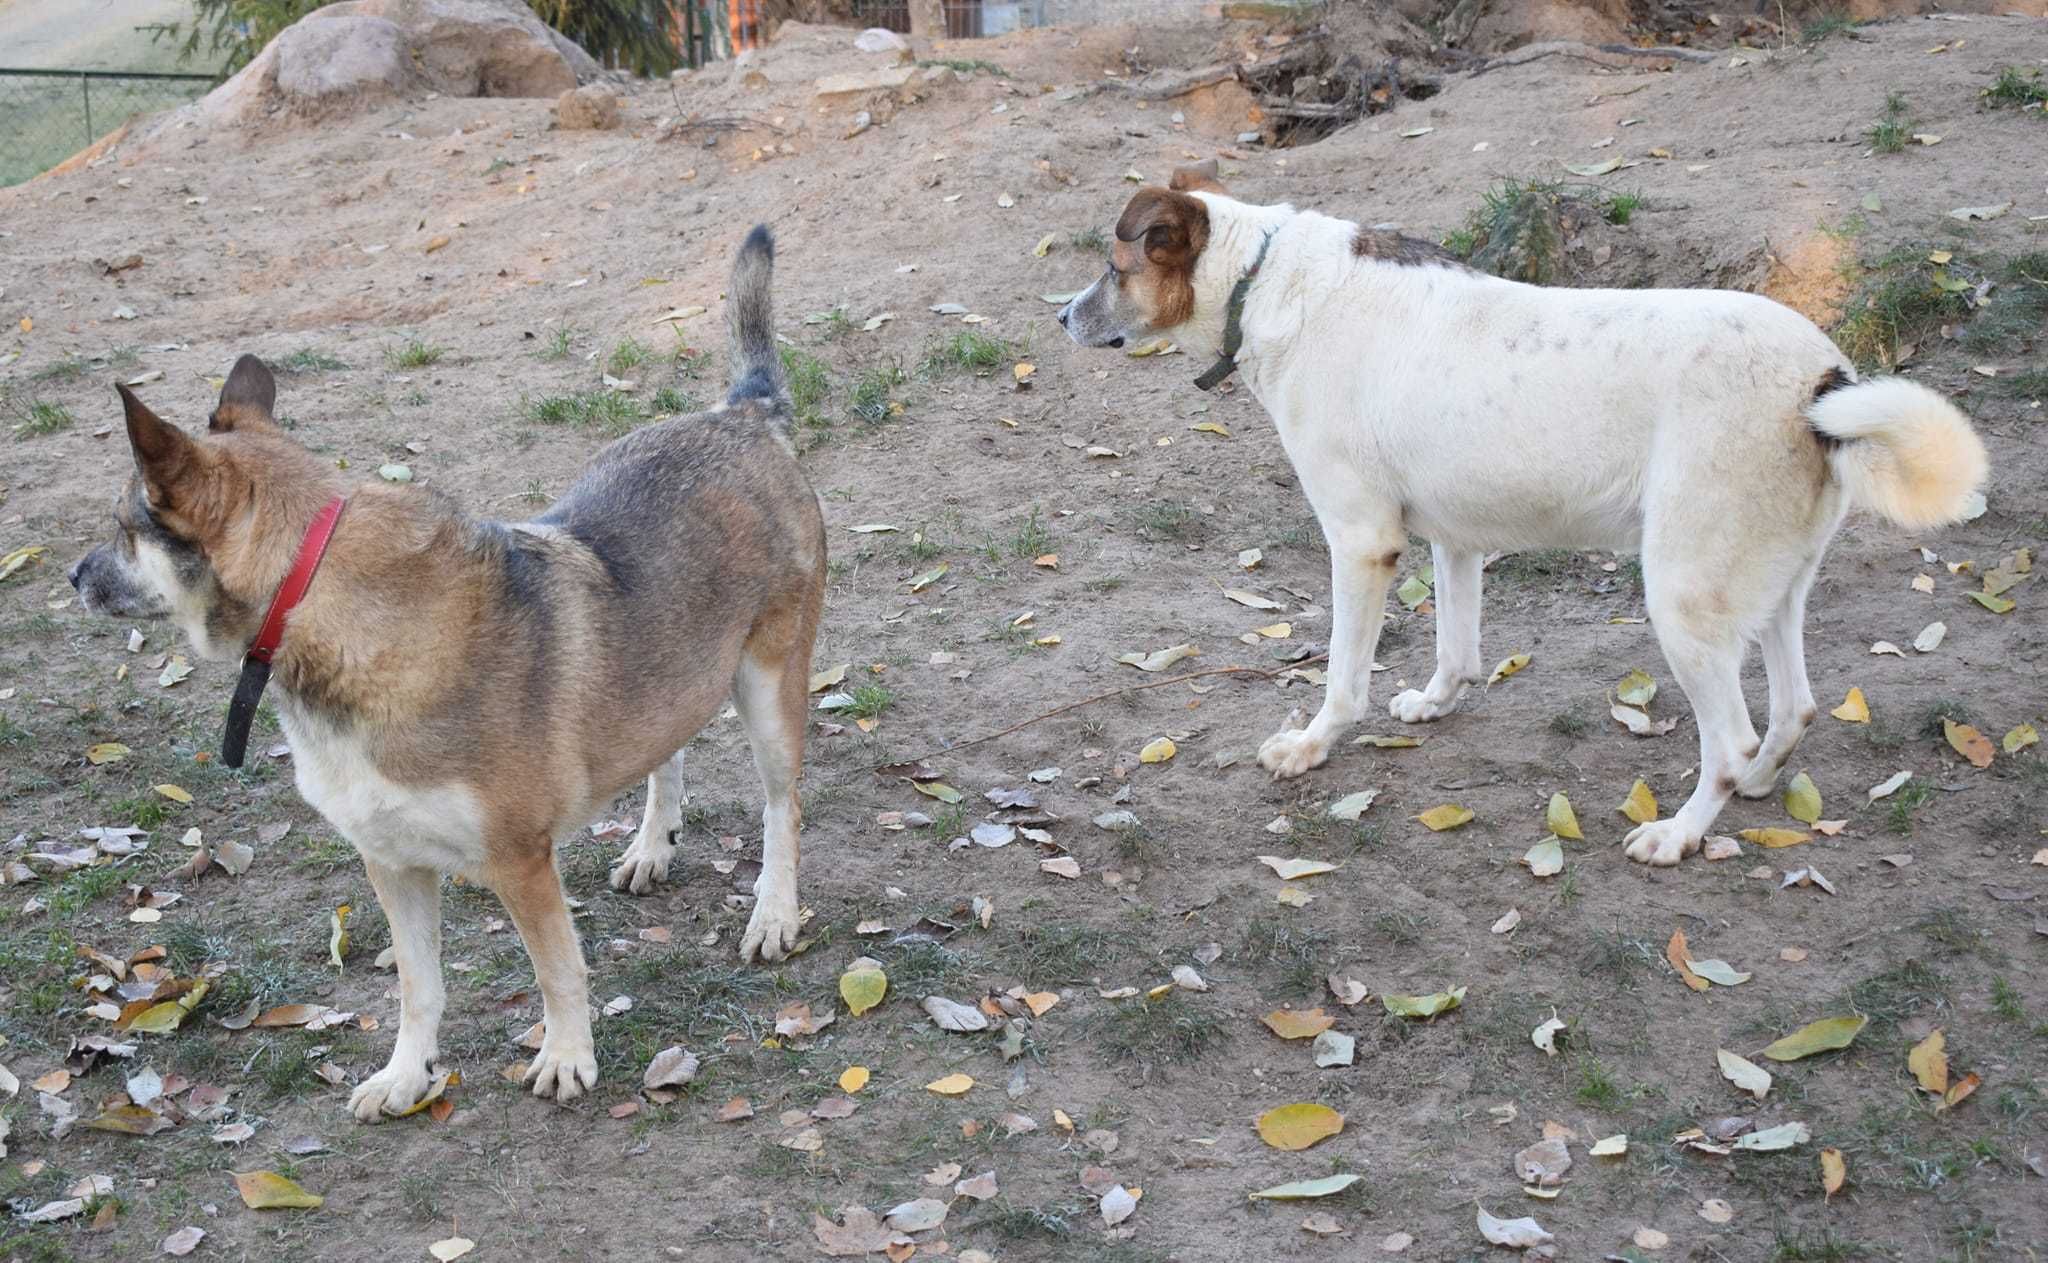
<point x="1968" y="742"/>
<point x="176" y="793"/>
<point x="1640" y="805"/>
<point x="1833" y="1170"/>
<point x="951" y="1085"/>
<point x="1775" y="839"/>
<point x="267" y="1190"/>
<point x="853" y="1079"/>
<point x="1300" y="1125"/>
<point x="1681" y="960"/>
<point x="1158" y="750"/>
<point x="1929" y="1062"/>
<point x="1447" y="816"/>
<point x="1560" y="819"/>
<point x="1853" y="710"/>
<point x="1298" y="1023"/>
<point x="106" y="752"/>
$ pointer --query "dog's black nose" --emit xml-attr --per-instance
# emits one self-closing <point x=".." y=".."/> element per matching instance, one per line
<point x="76" y="568"/>
<point x="1063" y="314"/>
<point x="1114" y="342"/>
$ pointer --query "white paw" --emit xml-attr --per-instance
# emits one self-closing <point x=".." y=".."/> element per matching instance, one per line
<point x="644" y="865"/>
<point x="1758" y="780"/>
<point x="1660" y="843"/>
<point x="1290" y="752"/>
<point x="1417" y="707"/>
<point x="772" y="931"/>
<point x="564" y="1069"/>
<point x="392" y="1090"/>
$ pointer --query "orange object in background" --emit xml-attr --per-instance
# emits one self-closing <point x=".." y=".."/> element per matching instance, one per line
<point x="744" y="23"/>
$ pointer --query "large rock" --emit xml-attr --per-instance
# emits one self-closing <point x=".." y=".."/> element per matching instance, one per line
<point x="343" y="55"/>
<point x="592" y="108"/>
<point x="363" y="52"/>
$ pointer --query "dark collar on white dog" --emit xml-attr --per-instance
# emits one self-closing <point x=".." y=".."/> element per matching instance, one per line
<point x="1233" y="324"/>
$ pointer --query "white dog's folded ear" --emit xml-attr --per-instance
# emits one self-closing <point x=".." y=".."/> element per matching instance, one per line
<point x="1173" y="226"/>
<point x="1198" y="177"/>
<point x="248" y="398"/>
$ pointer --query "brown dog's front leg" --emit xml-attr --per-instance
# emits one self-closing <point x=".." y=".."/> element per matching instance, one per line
<point x="411" y="898"/>
<point x="532" y="893"/>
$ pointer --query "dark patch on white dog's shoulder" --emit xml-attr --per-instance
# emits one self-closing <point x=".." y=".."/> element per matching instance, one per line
<point x="1392" y="247"/>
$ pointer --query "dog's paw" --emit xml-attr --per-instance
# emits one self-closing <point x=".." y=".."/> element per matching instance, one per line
<point x="1290" y="752"/>
<point x="1661" y="843"/>
<point x="772" y="931"/>
<point x="564" y="1069"/>
<point x="392" y="1090"/>
<point x="1758" y="781"/>
<point x="1418" y="707"/>
<point x="644" y="865"/>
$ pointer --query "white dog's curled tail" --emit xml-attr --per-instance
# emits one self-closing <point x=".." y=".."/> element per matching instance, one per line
<point x="1900" y="450"/>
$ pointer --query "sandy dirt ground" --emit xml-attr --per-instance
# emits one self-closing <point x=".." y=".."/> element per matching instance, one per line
<point x="480" y="363"/>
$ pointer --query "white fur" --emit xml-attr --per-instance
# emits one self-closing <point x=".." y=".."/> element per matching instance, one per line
<point x="1484" y="414"/>
<point x="1906" y="453"/>
<point x="399" y="826"/>
<point x="188" y="608"/>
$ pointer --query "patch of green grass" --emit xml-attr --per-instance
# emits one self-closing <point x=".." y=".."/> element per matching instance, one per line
<point x="1031" y="539"/>
<point x="1898" y="993"/>
<point x="2012" y="317"/>
<point x="1516" y="232"/>
<point x="921" y="968"/>
<point x="1893" y="128"/>
<point x="1909" y="799"/>
<point x="144" y="813"/>
<point x="1152" y="1034"/>
<point x="2018" y="90"/>
<point x="43" y="417"/>
<point x="604" y="410"/>
<point x="11" y="733"/>
<point x="1597" y="1087"/>
<point x="2005" y="1001"/>
<point x="1942" y="712"/>
<point x="1900" y="300"/>
<point x="2028" y="383"/>
<point x="75" y="892"/>
<point x="68" y="369"/>
<point x="969" y="350"/>
<point x="414" y="353"/>
<point x="1066" y="953"/>
<point x="1170" y="519"/>
<point x="560" y="341"/>
<point x="308" y="359"/>
<point x="1827" y="25"/>
<point x="1619" y="208"/>
<point x="670" y="401"/>
<point x="1952" y="930"/>
<point x="869" y="701"/>
<point x="1093" y="240"/>
<point x="810" y="383"/>
<point x="1571" y="724"/>
<point x="870" y="400"/>
<point x="1620" y="957"/>
<point x="1826" y="1248"/>
<point x="965" y="66"/>
<point x="627" y="356"/>
<point x="1299" y="952"/>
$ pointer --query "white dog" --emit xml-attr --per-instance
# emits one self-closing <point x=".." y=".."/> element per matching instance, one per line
<point x="1721" y="435"/>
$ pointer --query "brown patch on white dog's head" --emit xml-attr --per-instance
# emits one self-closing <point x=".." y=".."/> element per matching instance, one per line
<point x="1159" y="236"/>
<point x="1199" y="177"/>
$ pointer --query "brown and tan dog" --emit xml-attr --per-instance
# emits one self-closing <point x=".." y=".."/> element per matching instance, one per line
<point x="462" y="695"/>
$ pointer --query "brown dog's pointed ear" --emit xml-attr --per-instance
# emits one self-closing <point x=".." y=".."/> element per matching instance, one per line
<point x="163" y="454"/>
<point x="247" y="399"/>
<point x="1173" y="226"/>
<point x="1200" y="177"/>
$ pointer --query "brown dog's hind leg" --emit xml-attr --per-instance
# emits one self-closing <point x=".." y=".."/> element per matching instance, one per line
<point x="532" y="892"/>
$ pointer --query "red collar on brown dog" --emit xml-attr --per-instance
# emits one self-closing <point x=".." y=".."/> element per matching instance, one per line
<point x="256" y="663"/>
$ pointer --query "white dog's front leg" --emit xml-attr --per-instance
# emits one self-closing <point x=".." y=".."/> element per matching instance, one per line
<point x="411" y="898"/>
<point x="1457" y="639"/>
<point x="1359" y="576"/>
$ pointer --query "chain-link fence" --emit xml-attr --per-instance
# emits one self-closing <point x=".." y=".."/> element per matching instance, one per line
<point x="48" y="115"/>
<point x="977" y="19"/>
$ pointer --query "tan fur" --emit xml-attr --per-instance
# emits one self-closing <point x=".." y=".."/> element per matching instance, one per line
<point x="1158" y="238"/>
<point x="1918" y="459"/>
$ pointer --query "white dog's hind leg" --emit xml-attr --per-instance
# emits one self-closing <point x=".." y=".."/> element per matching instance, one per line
<point x="411" y="899"/>
<point x="644" y="864"/>
<point x="1361" y="566"/>
<point x="1792" y="705"/>
<point x="1457" y="639"/>
<point x="1705" y="654"/>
